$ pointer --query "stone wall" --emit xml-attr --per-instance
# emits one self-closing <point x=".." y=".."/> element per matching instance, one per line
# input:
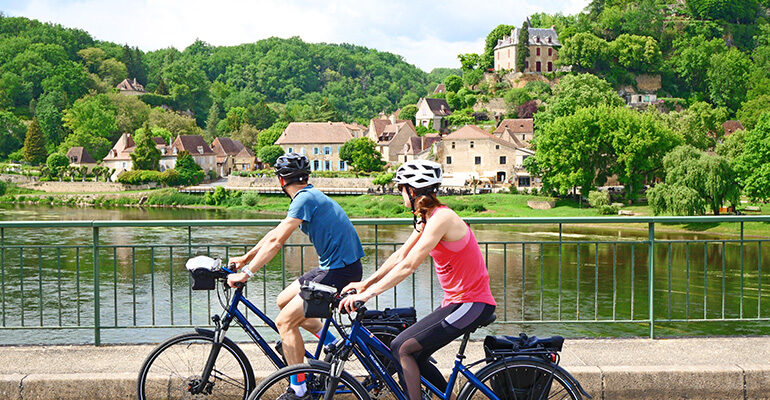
<point x="83" y="187"/>
<point x="12" y="178"/>
<point x="324" y="183"/>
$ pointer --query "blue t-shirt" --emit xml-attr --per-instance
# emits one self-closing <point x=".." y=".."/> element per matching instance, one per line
<point x="328" y="227"/>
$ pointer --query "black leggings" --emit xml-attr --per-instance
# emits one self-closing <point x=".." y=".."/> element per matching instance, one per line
<point x="414" y="346"/>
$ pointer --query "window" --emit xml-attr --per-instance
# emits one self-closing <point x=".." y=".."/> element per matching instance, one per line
<point x="550" y="51"/>
<point x="290" y="150"/>
<point x="316" y="151"/>
<point x="327" y="165"/>
<point x="449" y="160"/>
<point x="342" y="165"/>
<point x="302" y="151"/>
<point x="538" y="51"/>
<point x="502" y="160"/>
<point x="497" y="147"/>
<point x="538" y="68"/>
<point x="316" y="165"/>
<point x="550" y="66"/>
<point x="526" y="64"/>
<point x="453" y="145"/>
<point x="471" y="143"/>
<point x="477" y="160"/>
<point x="524" y="181"/>
<point x="327" y="150"/>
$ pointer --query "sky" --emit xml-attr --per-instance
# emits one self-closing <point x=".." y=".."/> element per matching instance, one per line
<point x="426" y="34"/>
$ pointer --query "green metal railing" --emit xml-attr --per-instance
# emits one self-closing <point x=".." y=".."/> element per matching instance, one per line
<point x="103" y="284"/>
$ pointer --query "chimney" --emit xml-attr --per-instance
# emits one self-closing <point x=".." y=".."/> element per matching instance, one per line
<point x="200" y="149"/>
<point x="393" y="118"/>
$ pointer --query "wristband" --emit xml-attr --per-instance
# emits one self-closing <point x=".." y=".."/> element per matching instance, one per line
<point x="248" y="272"/>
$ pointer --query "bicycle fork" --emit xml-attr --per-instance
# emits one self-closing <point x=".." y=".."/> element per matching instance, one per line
<point x="204" y="386"/>
<point x="334" y="374"/>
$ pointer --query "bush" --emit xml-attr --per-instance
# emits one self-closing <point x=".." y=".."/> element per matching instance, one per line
<point x="212" y="175"/>
<point x="138" y="177"/>
<point x="171" y="177"/>
<point x="218" y="197"/>
<point x="250" y="199"/>
<point x="3" y="187"/>
<point x="599" y="199"/>
<point x="608" y="209"/>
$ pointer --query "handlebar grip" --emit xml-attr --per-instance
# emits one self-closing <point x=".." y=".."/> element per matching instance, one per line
<point x="358" y="304"/>
<point x="239" y="285"/>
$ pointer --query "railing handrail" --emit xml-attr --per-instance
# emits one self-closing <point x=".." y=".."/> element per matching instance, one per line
<point x="392" y="221"/>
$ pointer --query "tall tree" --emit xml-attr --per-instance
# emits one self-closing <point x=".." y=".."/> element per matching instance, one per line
<point x="362" y="155"/>
<point x="576" y="91"/>
<point x="488" y="57"/>
<point x="212" y="121"/>
<point x="146" y="156"/>
<point x="34" y="144"/>
<point x="728" y="79"/>
<point x="13" y="135"/>
<point x="522" y="49"/>
<point x="190" y="173"/>
<point x="49" y="113"/>
<point x="753" y="164"/>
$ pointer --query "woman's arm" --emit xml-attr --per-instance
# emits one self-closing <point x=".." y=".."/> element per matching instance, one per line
<point x="388" y="265"/>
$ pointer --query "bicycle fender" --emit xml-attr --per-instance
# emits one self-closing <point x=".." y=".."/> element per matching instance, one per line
<point x="574" y="382"/>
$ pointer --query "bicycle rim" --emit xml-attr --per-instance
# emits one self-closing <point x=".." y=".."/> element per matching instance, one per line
<point x="522" y="380"/>
<point x="316" y="378"/>
<point x="178" y="363"/>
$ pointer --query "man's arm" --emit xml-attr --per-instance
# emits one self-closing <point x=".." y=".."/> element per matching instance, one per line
<point x="268" y="247"/>
<point x="393" y="260"/>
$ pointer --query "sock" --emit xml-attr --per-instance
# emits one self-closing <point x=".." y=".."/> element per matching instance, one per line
<point x="330" y="338"/>
<point x="297" y="383"/>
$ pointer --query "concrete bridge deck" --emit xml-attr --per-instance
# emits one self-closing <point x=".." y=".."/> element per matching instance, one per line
<point x="693" y="368"/>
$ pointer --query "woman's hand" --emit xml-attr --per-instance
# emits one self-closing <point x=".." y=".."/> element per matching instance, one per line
<point x="238" y="261"/>
<point x="348" y="303"/>
<point x="359" y="287"/>
<point x="233" y="279"/>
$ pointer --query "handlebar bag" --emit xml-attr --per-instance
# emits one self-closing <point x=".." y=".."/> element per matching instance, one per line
<point x="204" y="271"/>
<point x="318" y="299"/>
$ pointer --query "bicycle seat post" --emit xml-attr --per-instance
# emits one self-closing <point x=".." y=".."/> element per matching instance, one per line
<point x="461" y="352"/>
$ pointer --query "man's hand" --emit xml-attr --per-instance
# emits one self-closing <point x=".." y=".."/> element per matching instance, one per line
<point x="240" y="277"/>
<point x="348" y="303"/>
<point x="359" y="287"/>
<point x="238" y="261"/>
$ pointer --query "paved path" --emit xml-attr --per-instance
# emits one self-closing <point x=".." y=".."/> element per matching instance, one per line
<point x="706" y="368"/>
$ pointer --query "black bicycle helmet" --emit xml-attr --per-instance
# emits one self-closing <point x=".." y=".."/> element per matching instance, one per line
<point x="292" y="167"/>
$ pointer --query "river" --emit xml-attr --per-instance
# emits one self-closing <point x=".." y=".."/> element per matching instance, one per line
<point x="143" y="281"/>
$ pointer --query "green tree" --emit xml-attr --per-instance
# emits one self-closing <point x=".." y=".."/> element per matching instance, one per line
<point x="408" y="112"/>
<point x="383" y="179"/>
<point x="700" y="124"/>
<point x="753" y="163"/>
<point x="174" y="123"/>
<point x="190" y="173"/>
<point x="737" y="11"/>
<point x="270" y="153"/>
<point x="93" y="115"/>
<point x="212" y="121"/>
<point x="585" y="52"/>
<point x="676" y="200"/>
<point x="49" y="112"/>
<point x="637" y="53"/>
<point x="13" y="135"/>
<point x="362" y="155"/>
<point x="113" y="71"/>
<point x="34" y="144"/>
<point x="92" y="58"/>
<point x="146" y="156"/>
<point x="453" y="83"/>
<point x="488" y="57"/>
<point x="522" y="48"/>
<point x="270" y="135"/>
<point x="130" y="113"/>
<point x="752" y="110"/>
<point x="57" y="164"/>
<point x="576" y="91"/>
<point x="728" y="79"/>
<point x="248" y="135"/>
<point x="469" y="62"/>
<point x="690" y="59"/>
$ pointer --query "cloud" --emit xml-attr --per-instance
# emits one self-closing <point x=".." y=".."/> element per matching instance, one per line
<point x="427" y="34"/>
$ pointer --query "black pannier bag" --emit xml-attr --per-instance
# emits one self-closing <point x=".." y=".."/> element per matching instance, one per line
<point x="524" y="382"/>
<point x="318" y="299"/>
<point x="399" y="318"/>
<point x="204" y="272"/>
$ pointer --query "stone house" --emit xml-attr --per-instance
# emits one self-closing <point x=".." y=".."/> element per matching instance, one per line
<point x="472" y="153"/>
<point x="519" y="130"/>
<point x="246" y="160"/>
<point x="319" y="141"/>
<point x="731" y="126"/>
<point x="390" y="135"/>
<point x="227" y="151"/>
<point x="431" y="113"/>
<point x="119" y="157"/>
<point x="543" y="52"/>
<point x="130" y="88"/>
<point x="198" y="149"/>
<point x="440" y="88"/>
<point x="79" y="157"/>
<point x="420" y="148"/>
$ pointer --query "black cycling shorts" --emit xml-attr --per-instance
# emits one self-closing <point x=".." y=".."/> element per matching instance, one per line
<point x="338" y="277"/>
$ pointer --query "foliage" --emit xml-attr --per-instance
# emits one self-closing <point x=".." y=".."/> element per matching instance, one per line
<point x="212" y="121"/>
<point x="3" y="187"/>
<point x="271" y="134"/>
<point x="637" y="53"/>
<point x="690" y="59"/>
<point x="49" y="112"/>
<point x="675" y="200"/>
<point x="585" y="148"/>
<point x="522" y="49"/>
<point x="753" y="163"/>
<point x="92" y="115"/>
<point x="453" y="83"/>
<point x="383" y="179"/>
<point x="14" y="133"/>
<point x="139" y="177"/>
<point x="739" y="11"/>
<point x="408" y="112"/>
<point x="250" y="199"/>
<point x="34" y="144"/>
<point x="728" y="79"/>
<point x="585" y="51"/>
<point x="461" y="117"/>
<point x="527" y="110"/>
<point x="576" y="91"/>
<point x="175" y="123"/>
<point x="422" y="130"/>
<point x="171" y="177"/>
<point x="248" y="135"/>
<point x="362" y="155"/>
<point x="488" y="57"/>
<point x="190" y="173"/>
<point x="752" y="110"/>
<point x="269" y="154"/>
<point x="57" y="163"/>
<point x="597" y="199"/>
<point x="700" y="125"/>
<point x="146" y="156"/>
<point x="218" y="197"/>
<point x="130" y="112"/>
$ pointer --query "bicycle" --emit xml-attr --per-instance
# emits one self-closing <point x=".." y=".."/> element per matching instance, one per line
<point x="193" y="365"/>
<point x="516" y="368"/>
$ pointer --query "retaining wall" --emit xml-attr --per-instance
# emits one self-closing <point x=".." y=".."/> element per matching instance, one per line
<point x="272" y="182"/>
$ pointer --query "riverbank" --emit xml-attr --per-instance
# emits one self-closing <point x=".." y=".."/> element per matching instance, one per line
<point x="701" y="368"/>
<point x="493" y="205"/>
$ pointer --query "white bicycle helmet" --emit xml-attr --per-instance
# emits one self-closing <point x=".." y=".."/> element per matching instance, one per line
<point x="419" y="174"/>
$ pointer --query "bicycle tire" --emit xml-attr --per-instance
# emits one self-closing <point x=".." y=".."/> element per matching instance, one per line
<point x="317" y="373"/>
<point x="177" y="362"/>
<point x="520" y="378"/>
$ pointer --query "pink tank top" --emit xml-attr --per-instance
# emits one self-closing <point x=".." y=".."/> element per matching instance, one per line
<point x="461" y="271"/>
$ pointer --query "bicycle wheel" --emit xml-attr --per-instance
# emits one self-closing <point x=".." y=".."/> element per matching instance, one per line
<point x="522" y="378"/>
<point x="177" y="364"/>
<point x="317" y="374"/>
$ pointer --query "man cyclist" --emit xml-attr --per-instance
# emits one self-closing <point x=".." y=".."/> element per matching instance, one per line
<point x="339" y="253"/>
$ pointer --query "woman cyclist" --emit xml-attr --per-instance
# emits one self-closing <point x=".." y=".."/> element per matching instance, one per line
<point x="461" y="272"/>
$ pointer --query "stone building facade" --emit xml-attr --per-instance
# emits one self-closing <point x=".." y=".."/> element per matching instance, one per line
<point x="543" y="51"/>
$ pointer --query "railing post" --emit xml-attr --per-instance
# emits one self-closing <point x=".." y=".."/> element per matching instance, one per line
<point x="651" y="276"/>
<point x="97" y="310"/>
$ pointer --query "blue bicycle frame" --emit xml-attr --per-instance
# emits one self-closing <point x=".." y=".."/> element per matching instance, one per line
<point x="363" y="342"/>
